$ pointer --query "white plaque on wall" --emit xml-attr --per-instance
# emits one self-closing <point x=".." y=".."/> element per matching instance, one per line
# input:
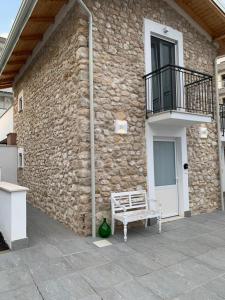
<point x="121" y="127"/>
<point x="203" y="132"/>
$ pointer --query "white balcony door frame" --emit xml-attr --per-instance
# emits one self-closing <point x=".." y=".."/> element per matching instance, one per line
<point x="179" y="135"/>
<point x="169" y="34"/>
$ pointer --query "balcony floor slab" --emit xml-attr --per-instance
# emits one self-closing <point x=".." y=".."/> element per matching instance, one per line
<point x="178" y="118"/>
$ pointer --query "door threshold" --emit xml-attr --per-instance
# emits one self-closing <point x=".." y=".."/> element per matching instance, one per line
<point x="170" y="219"/>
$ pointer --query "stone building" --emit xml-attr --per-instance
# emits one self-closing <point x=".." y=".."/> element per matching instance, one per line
<point x="156" y="132"/>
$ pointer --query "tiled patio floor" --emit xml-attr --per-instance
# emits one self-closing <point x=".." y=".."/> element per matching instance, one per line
<point x="187" y="261"/>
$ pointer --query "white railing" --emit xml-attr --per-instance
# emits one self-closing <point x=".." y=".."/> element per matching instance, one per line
<point x="6" y="123"/>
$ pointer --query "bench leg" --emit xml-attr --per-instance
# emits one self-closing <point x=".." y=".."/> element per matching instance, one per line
<point x="159" y="221"/>
<point x="125" y="231"/>
<point x="113" y="226"/>
<point x="146" y="223"/>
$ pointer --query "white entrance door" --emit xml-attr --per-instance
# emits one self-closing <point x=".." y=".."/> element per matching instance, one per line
<point x="166" y="177"/>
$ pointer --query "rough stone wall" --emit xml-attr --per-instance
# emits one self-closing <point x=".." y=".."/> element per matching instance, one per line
<point x="54" y="126"/>
<point x="119" y="94"/>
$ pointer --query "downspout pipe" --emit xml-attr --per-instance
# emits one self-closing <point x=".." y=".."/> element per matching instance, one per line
<point x="92" y="134"/>
<point x="219" y="133"/>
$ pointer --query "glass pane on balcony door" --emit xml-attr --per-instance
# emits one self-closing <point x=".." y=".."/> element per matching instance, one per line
<point x="167" y="58"/>
<point x="156" y="77"/>
<point x="163" y="83"/>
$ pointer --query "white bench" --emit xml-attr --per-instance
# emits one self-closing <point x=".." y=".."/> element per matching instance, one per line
<point x="130" y="207"/>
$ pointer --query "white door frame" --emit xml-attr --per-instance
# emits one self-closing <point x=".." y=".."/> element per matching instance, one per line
<point x="178" y="134"/>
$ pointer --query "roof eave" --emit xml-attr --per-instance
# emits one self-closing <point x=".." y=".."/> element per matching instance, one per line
<point x="22" y="17"/>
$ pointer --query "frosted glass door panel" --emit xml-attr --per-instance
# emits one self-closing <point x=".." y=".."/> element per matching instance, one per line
<point x="164" y="163"/>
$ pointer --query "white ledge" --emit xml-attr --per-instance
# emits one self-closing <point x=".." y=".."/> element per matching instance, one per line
<point x="178" y="118"/>
<point x="9" y="187"/>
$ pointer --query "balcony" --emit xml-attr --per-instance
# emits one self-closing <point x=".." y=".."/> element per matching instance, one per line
<point x="178" y="96"/>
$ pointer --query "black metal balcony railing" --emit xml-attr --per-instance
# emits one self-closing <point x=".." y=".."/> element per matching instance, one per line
<point x="176" y="88"/>
<point x="222" y="118"/>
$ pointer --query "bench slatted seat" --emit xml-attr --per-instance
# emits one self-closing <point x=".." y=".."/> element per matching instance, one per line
<point x="130" y="207"/>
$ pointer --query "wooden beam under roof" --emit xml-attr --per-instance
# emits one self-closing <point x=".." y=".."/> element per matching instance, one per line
<point x="220" y="37"/>
<point x="217" y="9"/>
<point x="59" y="1"/>
<point x="42" y="19"/>
<point x="22" y="52"/>
<point x="31" y="37"/>
<point x="5" y="85"/>
<point x="5" y="73"/>
<point x="5" y="81"/>
<point x="186" y="7"/>
<point x="16" y="62"/>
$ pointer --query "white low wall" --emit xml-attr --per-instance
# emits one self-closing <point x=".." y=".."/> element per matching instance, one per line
<point x="8" y="163"/>
<point x="6" y="123"/>
<point x="13" y="216"/>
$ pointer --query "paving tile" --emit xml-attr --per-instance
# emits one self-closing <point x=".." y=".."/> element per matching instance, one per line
<point x="194" y="271"/>
<point x="69" y="287"/>
<point x="220" y="233"/>
<point x="92" y="297"/>
<point x="138" y="264"/>
<point x="75" y="245"/>
<point x="165" y="283"/>
<point x="14" y="278"/>
<point x="55" y="268"/>
<point x="29" y="292"/>
<point x="110" y="294"/>
<point x="9" y="260"/>
<point x="172" y="225"/>
<point x="132" y="290"/>
<point x="172" y="265"/>
<point x="191" y="247"/>
<point x="116" y="250"/>
<point x="210" y="240"/>
<point x="165" y="256"/>
<point x="40" y="253"/>
<point x="146" y="244"/>
<point x="214" y="258"/>
<point x="105" y="276"/>
<point x="216" y="286"/>
<point x="211" y="225"/>
<point x="84" y="260"/>
<point x="186" y="232"/>
<point x="199" y="294"/>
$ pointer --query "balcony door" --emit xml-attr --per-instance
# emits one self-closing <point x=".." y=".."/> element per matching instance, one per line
<point x="163" y="82"/>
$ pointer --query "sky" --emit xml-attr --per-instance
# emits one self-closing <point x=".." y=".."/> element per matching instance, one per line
<point x="8" y="11"/>
<point x="221" y="3"/>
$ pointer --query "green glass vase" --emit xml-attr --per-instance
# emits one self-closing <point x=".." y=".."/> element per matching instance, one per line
<point x="104" y="229"/>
